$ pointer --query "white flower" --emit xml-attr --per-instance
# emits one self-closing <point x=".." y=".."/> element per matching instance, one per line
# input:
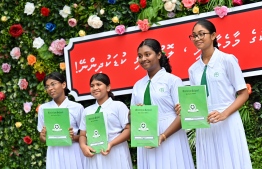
<point x="65" y="12"/>
<point x="169" y="6"/>
<point x="173" y="1"/>
<point x="94" y="21"/>
<point x="38" y="43"/>
<point x="29" y="8"/>
<point x="102" y="11"/>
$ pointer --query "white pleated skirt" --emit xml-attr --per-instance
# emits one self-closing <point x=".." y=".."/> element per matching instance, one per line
<point x="118" y="158"/>
<point x="174" y="153"/>
<point x="223" y="145"/>
<point x="65" y="157"/>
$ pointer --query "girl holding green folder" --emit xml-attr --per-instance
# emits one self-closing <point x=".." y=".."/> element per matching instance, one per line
<point x="160" y="87"/>
<point x="61" y="157"/>
<point x="117" y="155"/>
<point x="223" y="145"/>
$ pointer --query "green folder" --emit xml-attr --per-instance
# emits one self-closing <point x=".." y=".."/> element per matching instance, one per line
<point x="96" y="132"/>
<point x="194" y="111"/>
<point x="144" y="126"/>
<point x="57" y="125"/>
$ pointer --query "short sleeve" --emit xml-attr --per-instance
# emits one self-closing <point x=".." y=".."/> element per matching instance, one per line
<point x="123" y="113"/>
<point x="40" y="123"/>
<point x="83" y="120"/>
<point x="234" y="73"/>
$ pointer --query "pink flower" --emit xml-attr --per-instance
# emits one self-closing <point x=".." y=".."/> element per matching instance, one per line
<point x="15" y="53"/>
<point x="188" y="3"/>
<point x="120" y="29"/>
<point x="57" y="47"/>
<point x="6" y="67"/>
<point x="72" y="22"/>
<point x="2" y="96"/>
<point x="143" y="25"/>
<point x="22" y="84"/>
<point x="257" y="105"/>
<point x="237" y="2"/>
<point x="221" y="11"/>
<point x="27" y="106"/>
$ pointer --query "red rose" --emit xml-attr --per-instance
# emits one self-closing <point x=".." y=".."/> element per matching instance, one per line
<point x="1" y="118"/>
<point x="45" y="11"/>
<point x="40" y="76"/>
<point x="16" y="30"/>
<point x="28" y="140"/>
<point x="134" y="7"/>
<point x="203" y="1"/>
<point x="2" y="96"/>
<point x="143" y="3"/>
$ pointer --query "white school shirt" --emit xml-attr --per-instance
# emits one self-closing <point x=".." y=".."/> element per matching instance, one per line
<point x="224" y="79"/>
<point x="163" y="91"/>
<point x="115" y="115"/>
<point x="75" y="113"/>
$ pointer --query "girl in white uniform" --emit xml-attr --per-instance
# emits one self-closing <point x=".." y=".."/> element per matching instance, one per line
<point x="173" y="151"/>
<point x="61" y="157"/>
<point x="223" y="145"/>
<point x="117" y="155"/>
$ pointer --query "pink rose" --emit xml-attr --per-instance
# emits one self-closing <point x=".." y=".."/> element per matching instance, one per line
<point x="6" y="67"/>
<point x="22" y="84"/>
<point x="72" y="22"/>
<point x="27" y="106"/>
<point x="57" y="47"/>
<point x="143" y="25"/>
<point x="221" y="11"/>
<point x="257" y="105"/>
<point x="15" y="53"/>
<point x="237" y="2"/>
<point x="2" y="96"/>
<point x="188" y="3"/>
<point x="120" y="29"/>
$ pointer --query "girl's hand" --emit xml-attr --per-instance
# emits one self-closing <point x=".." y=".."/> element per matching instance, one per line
<point x="71" y="132"/>
<point x="88" y="151"/>
<point x="43" y="132"/>
<point x="161" y="139"/>
<point x="177" y="109"/>
<point x="107" y="150"/>
<point x="215" y="117"/>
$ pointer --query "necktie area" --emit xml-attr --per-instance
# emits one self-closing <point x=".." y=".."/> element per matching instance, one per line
<point x="147" y="99"/>
<point x="98" y="109"/>
<point x="204" y="79"/>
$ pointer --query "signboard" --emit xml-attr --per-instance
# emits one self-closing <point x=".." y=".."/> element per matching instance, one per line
<point x="239" y="33"/>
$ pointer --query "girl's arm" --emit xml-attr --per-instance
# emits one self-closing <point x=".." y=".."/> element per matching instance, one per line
<point x="42" y="135"/>
<point x="174" y="127"/>
<point x="87" y="150"/>
<point x="216" y="116"/>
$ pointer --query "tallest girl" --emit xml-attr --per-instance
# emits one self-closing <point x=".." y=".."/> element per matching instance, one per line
<point x="223" y="145"/>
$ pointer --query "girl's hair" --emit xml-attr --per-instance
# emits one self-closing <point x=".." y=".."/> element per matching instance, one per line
<point x="59" y="77"/>
<point x="104" y="79"/>
<point x="156" y="47"/>
<point x="210" y="27"/>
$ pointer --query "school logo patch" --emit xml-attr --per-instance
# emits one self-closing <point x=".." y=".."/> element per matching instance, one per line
<point x="161" y="90"/>
<point x="216" y="74"/>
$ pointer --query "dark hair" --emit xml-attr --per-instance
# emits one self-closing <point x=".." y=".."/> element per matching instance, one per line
<point x="59" y="77"/>
<point x="104" y="79"/>
<point x="156" y="47"/>
<point x="210" y="27"/>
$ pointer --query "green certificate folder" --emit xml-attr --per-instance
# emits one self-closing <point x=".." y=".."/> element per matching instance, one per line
<point x="144" y="126"/>
<point x="194" y="109"/>
<point x="96" y="132"/>
<point x="57" y="125"/>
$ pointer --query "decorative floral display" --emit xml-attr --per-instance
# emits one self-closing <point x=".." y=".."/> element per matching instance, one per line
<point x="257" y="105"/>
<point x="2" y="96"/>
<point x="57" y="47"/>
<point x="27" y="140"/>
<point x="120" y="29"/>
<point x="16" y="30"/>
<point x="45" y="11"/>
<point x="15" y="53"/>
<point x="29" y="8"/>
<point x="221" y="11"/>
<point x="143" y="24"/>
<point x="6" y="67"/>
<point x="33" y="37"/>
<point x="27" y="106"/>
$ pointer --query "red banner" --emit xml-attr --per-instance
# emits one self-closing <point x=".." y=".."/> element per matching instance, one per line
<point x="238" y="33"/>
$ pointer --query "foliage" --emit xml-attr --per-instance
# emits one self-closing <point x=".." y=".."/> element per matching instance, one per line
<point x="14" y="152"/>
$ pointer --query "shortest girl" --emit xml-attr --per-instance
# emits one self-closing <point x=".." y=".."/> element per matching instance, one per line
<point x="117" y="155"/>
